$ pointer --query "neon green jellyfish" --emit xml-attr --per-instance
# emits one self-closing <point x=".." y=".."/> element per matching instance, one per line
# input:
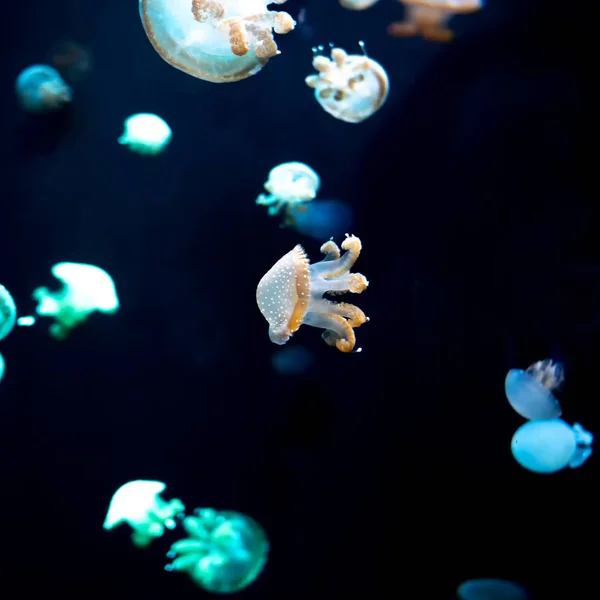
<point x="86" y="289"/>
<point x="224" y="553"/>
<point x="40" y="88"/>
<point x="146" y="133"/>
<point x="291" y="183"/>
<point x="139" y="504"/>
<point x="8" y="312"/>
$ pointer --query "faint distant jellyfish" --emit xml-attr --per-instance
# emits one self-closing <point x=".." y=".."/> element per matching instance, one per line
<point x="530" y="392"/>
<point x="358" y="4"/>
<point x="8" y="312"/>
<point x="86" y="289"/>
<point x="320" y="219"/>
<point x="551" y="445"/>
<point x="291" y="294"/>
<point x="224" y="553"/>
<point x="72" y="59"/>
<point x="215" y="40"/>
<point x="291" y="183"/>
<point x="429" y="18"/>
<point x="491" y="589"/>
<point x="146" y="133"/>
<point x="40" y="88"/>
<point x="293" y="360"/>
<point x="138" y="503"/>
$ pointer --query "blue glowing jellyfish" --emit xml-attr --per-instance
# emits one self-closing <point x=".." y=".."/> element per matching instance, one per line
<point x="40" y="88"/>
<point x="530" y="392"/>
<point x="293" y="360"/>
<point x="491" y="589"/>
<point x="551" y="445"/>
<point x="321" y="219"/>
<point x="8" y="312"/>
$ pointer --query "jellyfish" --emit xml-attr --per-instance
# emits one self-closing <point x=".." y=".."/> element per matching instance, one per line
<point x="146" y="133"/>
<point x="291" y="294"/>
<point x="320" y="219"/>
<point x="289" y="184"/>
<point x="551" y="445"/>
<point x="350" y="87"/>
<point x="139" y="504"/>
<point x="86" y="289"/>
<point x="429" y="18"/>
<point x="224" y="553"/>
<point x="72" y="59"/>
<point x="358" y="4"/>
<point x="491" y="589"/>
<point x="2" y="367"/>
<point x="293" y="360"/>
<point x="215" y="40"/>
<point x="530" y="392"/>
<point x="40" y="88"/>
<point x="8" y="312"/>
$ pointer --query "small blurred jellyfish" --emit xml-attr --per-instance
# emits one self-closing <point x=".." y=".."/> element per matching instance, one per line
<point x="358" y="4"/>
<point x="8" y="312"/>
<point x="71" y="59"/>
<point x="138" y="503"/>
<point x="290" y="294"/>
<point x="293" y="360"/>
<point x="86" y="289"/>
<point x="429" y="18"/>
<point x="491" y="589"/>
<point x="320" y="219"/>
<point x="530" y="392"/>
<point x="2" y="367"/>
<point x="215" y="40"/>
<point x="40" y="88"/>
<point x="350" y="87"/>
<point x="225" y="551"/>
<point x="289" y="184"/>
<point x="146" y="133"/>
<point x="551" y="445"/>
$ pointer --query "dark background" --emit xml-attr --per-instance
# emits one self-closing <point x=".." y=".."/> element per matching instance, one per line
<point x="385" y="474"/>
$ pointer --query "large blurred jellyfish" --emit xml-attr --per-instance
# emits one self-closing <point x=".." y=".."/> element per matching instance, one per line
<point x="292" y="360"/>
<point x="224" y="553"/>
<point x="530" y="392"/>
<point x="491" y="589"/>
<point x="320" y="219"/>
<point x="2" y="367"/>
<point x="40" y="88"/>
<point x="215" y="40"/>
<point x="138" y="503"/>
<point x="8" y="312"/>
<point x="145" y="133"/>
<point x="551" y="445"/>
<point x="289" y="184"/>
<point x="350" y="87"/>
<point x="291" y="294"/>
<point x="86" y="289"/>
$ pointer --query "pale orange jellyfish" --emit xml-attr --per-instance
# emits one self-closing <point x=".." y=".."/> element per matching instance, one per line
<point x="429" y="18"/>
<point x="291" y="294"/>
<point x="215" y="40"/>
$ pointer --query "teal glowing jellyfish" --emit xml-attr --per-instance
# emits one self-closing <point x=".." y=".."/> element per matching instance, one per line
<point x="40" y="88"/>
<point x="146" y="133"/>
<point x="2" y="367"/>
<point x="139" y="504"/>
<point x="8" y="312"/>
<point x="530" y="392"/>
<point x="491" y="589"/>
<point x="551" y="445"/>
<point x="224" y="553"/>
<point x="292" y="360"/>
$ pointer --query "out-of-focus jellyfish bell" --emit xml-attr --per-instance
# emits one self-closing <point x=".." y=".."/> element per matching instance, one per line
<point x="138" y="503"/>
<point x="146" y="133"/>
<point x="351" y="87"/>
<point x="2" y="367"/>
<point x="291" y="294"/>
<point x="224" y="553"/>
<point x="291" y="183"/>
<point x="358" y="4"/>
<point x="72" y="59"/>
<point x="215" y="40"/>
<point x="530" y="392"/>
<point x="320" y="219"/>
<point x="429" y="18"/>
<point x="491" y="589"/>
<point x="549" y="446"/>
<point x="8" y="312"/>
<point x="293" y="360"/>
<point x="86" y="289"/>
<point x="40" y="88"/>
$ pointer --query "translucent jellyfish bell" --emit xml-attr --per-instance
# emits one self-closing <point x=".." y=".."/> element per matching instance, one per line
<point x="291" y="294"/>
<point x="530" y="392"/>
<point x="40" y="88"/>
<point x="86" y="289"/>
<point x="224" y="553"/>
<point x="2" y="367"/>
<point x="358" y="4"/>
<point x="552" y="445"/>
<point x="146" y="133"/>
<point x="8" y="312"/>
<point x="138" y="503"/>
<point x="491" y="589"/>
<point x="215" y="40"/>
<point x="351" y="87"/>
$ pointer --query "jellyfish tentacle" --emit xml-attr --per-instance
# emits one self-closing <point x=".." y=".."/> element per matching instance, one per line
<point x="335" y="268"/>
<point x="339" y="331"/>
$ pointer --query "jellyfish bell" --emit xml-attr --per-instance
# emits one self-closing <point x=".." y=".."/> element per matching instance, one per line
<point x="491" y="589"/>
<point x="2" y="367"/>
<point x="321" y="219"/>
<point x="40" y="88"/>
<point x="530" y="392"/>
<point x="8" y="312"/>
<point x="146" y="133"/>
<point x="358" y="4"/>
<point x="215" y="40"/>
